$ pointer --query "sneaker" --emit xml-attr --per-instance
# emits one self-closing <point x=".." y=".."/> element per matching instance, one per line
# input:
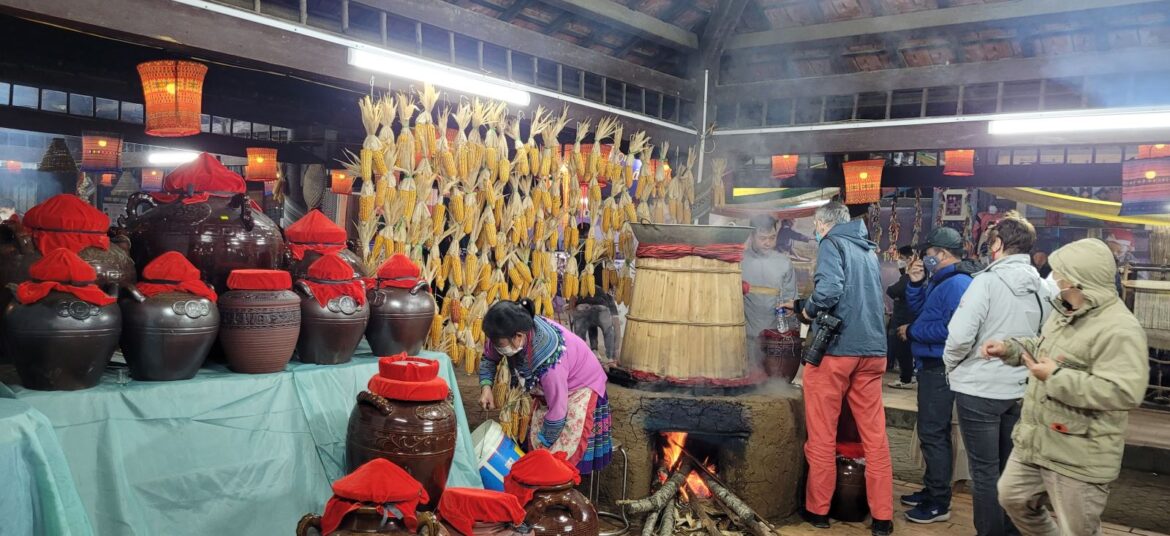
<point x="903" y="385"/>
<point x="882" y="527"/>
<point x="816" y="520"/>
<point x="926" y="513"/>
<point x="914" y="499"/>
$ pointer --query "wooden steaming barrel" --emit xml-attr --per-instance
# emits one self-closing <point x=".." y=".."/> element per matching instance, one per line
<point x="686" y="319"/>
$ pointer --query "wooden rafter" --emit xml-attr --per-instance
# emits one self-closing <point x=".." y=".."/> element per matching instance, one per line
<point x="630" y="21"/>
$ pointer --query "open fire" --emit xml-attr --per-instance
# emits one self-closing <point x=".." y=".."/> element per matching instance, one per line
<point x="672" y="451"/>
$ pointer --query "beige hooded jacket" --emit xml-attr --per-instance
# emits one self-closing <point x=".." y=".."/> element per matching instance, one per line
<point x="1074" y="423"/>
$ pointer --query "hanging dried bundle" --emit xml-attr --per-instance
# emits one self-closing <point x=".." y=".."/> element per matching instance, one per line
<point x="718" y="170"/>
<point x="424" y="126"/>
<point x="406" y="142"/>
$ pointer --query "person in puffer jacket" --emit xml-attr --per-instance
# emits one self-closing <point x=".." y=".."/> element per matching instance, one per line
<point x="1089" y="368"/>
<point x="1008" y="299"/>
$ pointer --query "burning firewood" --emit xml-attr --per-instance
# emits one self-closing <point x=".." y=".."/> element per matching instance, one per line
<point x="750" y="518"/>
<point x="664" y="494"/>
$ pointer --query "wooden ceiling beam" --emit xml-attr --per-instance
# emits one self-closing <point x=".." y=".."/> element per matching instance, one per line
<point x="1009" y="70"/>
<point x="630" y="21"/>
<point x="719" y="28"/>
<point x="967" y="14"/>
<point x="513" y="10"/>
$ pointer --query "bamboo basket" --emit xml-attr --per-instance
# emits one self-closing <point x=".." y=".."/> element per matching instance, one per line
<point x="686" y="320"/>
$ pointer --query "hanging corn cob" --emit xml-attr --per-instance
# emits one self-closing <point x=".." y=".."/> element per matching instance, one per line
<point x="605" y="129"/>
<point x="424" y="126"/>
<point x="552" y="131"/>
<point x="406" y="143"/>
<point x="718" y="170"/>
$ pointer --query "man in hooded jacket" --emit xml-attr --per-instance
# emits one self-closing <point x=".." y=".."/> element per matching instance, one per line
<point x="1089" y="368"/>
<point x="1008" y="299"/>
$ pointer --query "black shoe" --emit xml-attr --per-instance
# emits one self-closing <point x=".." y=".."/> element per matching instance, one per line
<point x="882" y="527"/>
<point x="816" y="520"/>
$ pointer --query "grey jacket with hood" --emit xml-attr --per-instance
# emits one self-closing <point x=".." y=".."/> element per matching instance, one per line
<point x="1004" y="301"/>
<point x="848" y="284"/>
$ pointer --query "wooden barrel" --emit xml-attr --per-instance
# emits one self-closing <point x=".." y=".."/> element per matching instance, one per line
<point x="686" y="320"/>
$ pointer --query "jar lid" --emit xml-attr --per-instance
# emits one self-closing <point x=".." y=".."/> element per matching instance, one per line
<point x="259" y="280"/>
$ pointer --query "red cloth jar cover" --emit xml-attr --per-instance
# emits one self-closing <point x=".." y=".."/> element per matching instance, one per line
<point x="332" y="277"/>
<point x="539" y="468"/>
<point x="413" y="379"/>
<point x="62" y="270"/>
<point x="314" y="232"/>
<point x="463" y="507"/>
<point x="851" y="450"/>
<point x="67" y="221"/>
<point x="399" y="272"/>
<point x="259" y="280"/>
<point x="172" y="272"/>
<point x="206" y="176"/>
<point x="379" y="482"/>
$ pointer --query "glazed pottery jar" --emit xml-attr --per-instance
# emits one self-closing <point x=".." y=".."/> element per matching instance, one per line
<point x="313" y="236"/>
<point x="61" y="328"/>
<point x="478" y="512"/>
<point x="377" y="498"/>
<point x="406" y="417"/>
<point x="781" y="351"/>
<point x="260" y="319"/>
<point x="849" y="502"/>
<point x="206" y="216"/>
<point x="401" y="308"/>
<point x="169" y="321"/>
<point x="333" y="312"/>
<point x="544" y="483"/>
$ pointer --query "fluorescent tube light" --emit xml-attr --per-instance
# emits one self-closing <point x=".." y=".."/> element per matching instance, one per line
<point x="438" y="75"/>
<point x="170" y="158"/>
<point x="1080" y="123"/>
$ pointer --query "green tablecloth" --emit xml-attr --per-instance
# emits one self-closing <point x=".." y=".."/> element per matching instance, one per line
<point x="222" y="453"/>
<point x="37" y="494"/>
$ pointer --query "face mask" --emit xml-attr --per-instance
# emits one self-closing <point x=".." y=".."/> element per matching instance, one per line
<point x="507" y="351"/>
<point x="930" y="262"/>
<point x="818" y="236"/>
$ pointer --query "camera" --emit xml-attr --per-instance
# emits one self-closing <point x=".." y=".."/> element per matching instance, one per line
<point x="826" y="327"/>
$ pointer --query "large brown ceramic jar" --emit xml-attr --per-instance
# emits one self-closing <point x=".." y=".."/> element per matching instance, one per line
<point x="299" y="268"/>
<point x="479" y="512"/>
<point x="331" y="333"/>
<point x="561" y="511"/>
<point x="378" y="497"/>
<point x="367" y="520"/>
<point x="167" y="336"/>
<point x="415" y="430"/>
<point x="260" y="320"/>
<point x="399" y="319"/>
<point x="313" y="236"/>
<point x="849" y="502"/>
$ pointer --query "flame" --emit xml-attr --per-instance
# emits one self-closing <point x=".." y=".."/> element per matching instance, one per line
<point x="671" y="452"/>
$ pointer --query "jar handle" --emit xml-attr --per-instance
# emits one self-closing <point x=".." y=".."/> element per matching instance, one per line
<point x="419" y="286"/>
<point x="376" y="298"/>
<point x="379" y="403"/>
<point x="307" y="522"/>
<point x="137" y="199"/>
<point x="245" y="212"/>
<point x="133" y="291"/>
<point x="303" y="287"/>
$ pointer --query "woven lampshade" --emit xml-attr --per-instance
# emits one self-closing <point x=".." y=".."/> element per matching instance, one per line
<point x="152" y="180"/>
<point x="57" y="158"/>
<point x="1157" y="150"/>
<point x="173" y="94"/>
<point x="340" y="182"/>
<point x="108" y="179"/>
<point x="959" y="163"/>
<point x="261" y="164"/>
<point x="1145" y="186"/>
<point x="863" y="181"/>
<point x="101" y="152"/>
<point x="784" y="166"/>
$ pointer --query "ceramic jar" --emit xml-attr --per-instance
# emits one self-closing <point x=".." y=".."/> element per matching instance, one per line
<point x="367" y="520"/>
<point x="330" y="334"/>
<point x="259" y="328"/>
<point x="167" y="336"/>
<point x="299" y="269"/>
<point x="849" y="502"/>
<point x="399" y="319"/>
<point x="61" y="343"/>
<point x="561" y="511"/>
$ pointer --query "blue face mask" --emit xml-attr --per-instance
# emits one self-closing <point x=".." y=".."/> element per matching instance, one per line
<point x="819" y="236"/>
<point x="930" y="262"/>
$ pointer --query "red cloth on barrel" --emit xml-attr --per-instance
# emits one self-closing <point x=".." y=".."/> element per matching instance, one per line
<point x="399" y="272"/>
<point x="462" y="508"/>
<point x="378" y="482"/>
<point x="412" y="379"/>
<point x="720" y="252"/>
<point x="172" y="272"/>
<point x="539" y="468"/>
<point x="67" y="221"/>
<point x="332" y="278"/>
<point x="259" y="280"/>
<point x="314" y="232"/>
<point x="204" y="174"/>
<point x="851" y="450"/>
<point x="62" y="270"/>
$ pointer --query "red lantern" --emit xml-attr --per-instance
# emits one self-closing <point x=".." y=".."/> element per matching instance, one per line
<point x="784" y="166"/>
<point x="1145" y="186"/>
<point x="261" y="164"/>
<point x="13" y="166"/>
<point x="108" y="179"/>
<point x="152" y="180"/>
<point x="863" y="181"/>
<point x="173" y="94"/>
<point x="341" y="182"/>
<point x="101" y="152"/>
<point x="959" y="163"/>
<point x="1157" y="150"/>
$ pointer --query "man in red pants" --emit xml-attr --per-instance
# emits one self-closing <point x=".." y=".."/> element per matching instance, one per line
<point x="847" y="286"/>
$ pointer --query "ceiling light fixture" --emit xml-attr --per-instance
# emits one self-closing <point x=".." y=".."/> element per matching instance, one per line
<point x="1080" y="123"/>
<point x="439" y="75"/>
<point x="166" y="158"/>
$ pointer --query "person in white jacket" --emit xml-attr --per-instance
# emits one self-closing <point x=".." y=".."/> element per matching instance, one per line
<point x="1008" y="299"/>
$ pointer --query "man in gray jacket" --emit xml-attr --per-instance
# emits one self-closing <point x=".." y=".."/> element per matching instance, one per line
<point x="1006" y="300"/>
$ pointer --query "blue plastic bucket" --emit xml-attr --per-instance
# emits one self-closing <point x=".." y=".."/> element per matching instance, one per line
<point x="496" y="453"/>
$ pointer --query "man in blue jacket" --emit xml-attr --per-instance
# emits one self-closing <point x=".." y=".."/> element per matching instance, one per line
<point x="933" y="303"/>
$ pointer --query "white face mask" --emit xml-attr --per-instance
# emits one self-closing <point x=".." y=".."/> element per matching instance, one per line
<point x="507" y="351"/>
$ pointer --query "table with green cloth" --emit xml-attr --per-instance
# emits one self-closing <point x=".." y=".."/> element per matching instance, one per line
<point x="222" y="453"/>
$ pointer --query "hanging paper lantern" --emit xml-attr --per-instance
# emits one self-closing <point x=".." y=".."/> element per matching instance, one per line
<point x="173" y="95"/>
<point x="13" y="166"/>
<point x="108" y="179"/>
<point x="341" y="182"/>
<point x="863" y="181"/>
<point x="152" y="180"/>
<point x="784" y="166"/>
<point x="1145" y="186"/>
<point x="959" y="163"/>
<point x="101" y="151"/>
<point x="261" y="164"/>
<point x="1157" y="150"/>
